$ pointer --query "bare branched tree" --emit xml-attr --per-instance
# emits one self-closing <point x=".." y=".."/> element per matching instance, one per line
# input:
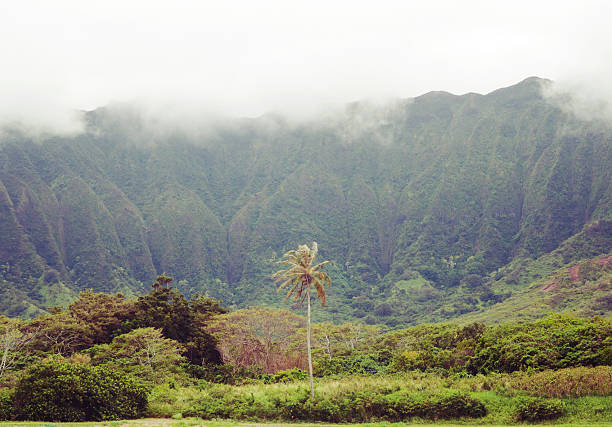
<point x="13" y="345"/>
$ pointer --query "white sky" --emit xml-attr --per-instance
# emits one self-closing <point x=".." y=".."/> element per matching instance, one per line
<point x="249" y="57"/>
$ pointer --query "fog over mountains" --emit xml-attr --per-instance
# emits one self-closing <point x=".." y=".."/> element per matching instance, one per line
<point x="420" y="203"/>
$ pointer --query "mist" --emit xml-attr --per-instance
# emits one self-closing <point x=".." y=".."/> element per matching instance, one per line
<point x="588" y="98"/>
<point x="186" y="62"/>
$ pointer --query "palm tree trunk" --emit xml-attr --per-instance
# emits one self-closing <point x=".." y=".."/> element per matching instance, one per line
<point x="308" y="342"/>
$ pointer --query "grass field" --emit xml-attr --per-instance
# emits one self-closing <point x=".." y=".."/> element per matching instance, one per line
<point x="584" y="393"/>
<point x="588" y="401"/>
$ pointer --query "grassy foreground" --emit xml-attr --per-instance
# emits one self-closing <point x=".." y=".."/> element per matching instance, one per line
<point x="583" y="394"/>
<point x="576" y="396"/>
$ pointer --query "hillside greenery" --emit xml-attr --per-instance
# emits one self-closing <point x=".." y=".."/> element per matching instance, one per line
<point x="430" y="208"/>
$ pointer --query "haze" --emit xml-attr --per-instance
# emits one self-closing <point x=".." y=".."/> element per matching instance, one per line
<point x="247" y="58"/>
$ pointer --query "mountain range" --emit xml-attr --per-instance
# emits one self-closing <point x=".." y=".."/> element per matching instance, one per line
<point x="430" y="208"/>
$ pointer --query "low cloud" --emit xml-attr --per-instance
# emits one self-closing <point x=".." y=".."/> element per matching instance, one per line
<point x="189" y="59"/>
<point x="588" y="99"/>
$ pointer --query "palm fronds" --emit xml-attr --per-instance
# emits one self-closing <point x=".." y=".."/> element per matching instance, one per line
<point x="301" y="273"/>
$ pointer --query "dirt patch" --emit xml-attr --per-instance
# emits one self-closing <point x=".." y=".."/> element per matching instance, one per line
<point x="604" y="261"/>
<point x="573" y="271"/>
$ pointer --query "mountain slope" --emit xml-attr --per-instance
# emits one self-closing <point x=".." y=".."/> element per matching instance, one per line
<point x="411" y="200"/>
<point x="576" y="277"/>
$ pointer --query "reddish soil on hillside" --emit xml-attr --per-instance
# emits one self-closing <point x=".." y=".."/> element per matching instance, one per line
<point x="603" y="261"/>
<point x="573" y="271"/>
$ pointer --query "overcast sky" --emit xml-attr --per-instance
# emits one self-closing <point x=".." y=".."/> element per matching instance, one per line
<point x="246" y="58"/>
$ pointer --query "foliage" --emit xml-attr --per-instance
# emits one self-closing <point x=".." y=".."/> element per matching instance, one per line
<point x="287" y="375"/>
<point x="536" y="409"/>
<point x="342" y="406"/>
<point x="264" y="339"/>
<point x="104" y="314"/>
<point x="341" y="340"/>
<point x="447" y="347"/>
<point x="6" y="404"/>
<point x="181" y="320"/>
<point x="300" y="275"/>
<point x="167" y="309"/>
<point x="258" y="402"/>
<point x="366" y="406"/>
<point x="360" y="364"/>
<point x="143" y="353"/>
<point x="13" y="344"/>
<point x="552" y="343"/>
<point x="59" y="333"/>
<point x="220" y="373"/>
<point x="408" y="199"/>
<point x="201" y="346"/>
<point x="60" y="391"/>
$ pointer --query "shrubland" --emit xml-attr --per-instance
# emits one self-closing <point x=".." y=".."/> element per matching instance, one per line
<point x="109" y="356"/>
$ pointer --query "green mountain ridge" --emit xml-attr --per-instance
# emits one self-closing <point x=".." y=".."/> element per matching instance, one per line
<point x="409" y="199"/>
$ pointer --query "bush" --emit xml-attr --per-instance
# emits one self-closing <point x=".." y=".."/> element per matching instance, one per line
<point x="6" y="404"/>
<point x="220" y="373"/>
<point x="285" y="376"/>
<point x="361" y="364"/>
<point x="538" y="409"/>
<point x="338" y="407"/>
<point x="60" y="391"/>
<point x="365" y="406"/>
<point x="456" y="405"/>
<point x="555" y="342"/>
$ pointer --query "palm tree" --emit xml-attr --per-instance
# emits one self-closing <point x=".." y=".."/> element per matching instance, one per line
<point x="298" y="277"/>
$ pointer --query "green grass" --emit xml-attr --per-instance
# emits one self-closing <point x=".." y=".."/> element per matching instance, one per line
<point x="493" y="391"/>
<point x="500" y="394"/>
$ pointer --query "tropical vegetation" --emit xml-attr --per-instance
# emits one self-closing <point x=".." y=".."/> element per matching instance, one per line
<point x="125" y="358"/>
<point x="469" y="240"/>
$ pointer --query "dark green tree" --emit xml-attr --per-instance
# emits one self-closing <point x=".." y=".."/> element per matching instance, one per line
<point x="104" y="314"/>
<point x="179" y="319"/>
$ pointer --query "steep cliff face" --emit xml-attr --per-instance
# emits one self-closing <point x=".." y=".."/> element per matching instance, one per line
<point x="407" y="199"/>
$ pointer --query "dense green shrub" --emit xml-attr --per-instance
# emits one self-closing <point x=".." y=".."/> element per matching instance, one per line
<point x="555" y="342"/>
<point x="6" y="404"/>
<point x="60" y="391"/>
<point x="229" y="374"/>
<point x="361" y="364"/>
<point x="285" y="376"/>
<point x="441" y="347"/>
<point x="539" y="409"/>
<point x="455" y="405"/>
<point x="341" y="406"/>
<point x="397" y="406"/>
<point x="220" y="374"/>
<point x="433" y="360"/>
<point x="142" y="353"/>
